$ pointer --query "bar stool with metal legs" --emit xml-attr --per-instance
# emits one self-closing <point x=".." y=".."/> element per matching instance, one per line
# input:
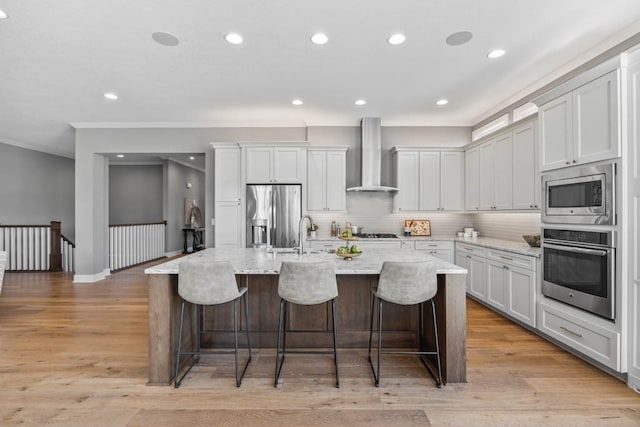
<point x="305" y="283"/>
<point x="405" y="283"/>
<point x="209" y="283"/>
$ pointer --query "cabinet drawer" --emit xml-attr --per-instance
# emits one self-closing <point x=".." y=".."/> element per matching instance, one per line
<point x="587" y="337"/>
<point x="467" y="248"/>
<point x="425" y="245"/>
<point x="510" y="258"/>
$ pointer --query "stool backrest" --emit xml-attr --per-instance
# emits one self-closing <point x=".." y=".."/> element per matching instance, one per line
<point x="404" y="282"/>
<point x="206" y="282"/>
<point x="307" y="282"/>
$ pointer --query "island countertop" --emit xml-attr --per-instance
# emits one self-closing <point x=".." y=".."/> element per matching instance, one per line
<point x="253" y="261"/>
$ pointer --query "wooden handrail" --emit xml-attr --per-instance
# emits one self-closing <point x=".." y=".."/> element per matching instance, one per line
<point x="164" y="222"/>
<point x="73" y="245"/>
<point x="55" y="257"/>
<point x="24" y="226"/>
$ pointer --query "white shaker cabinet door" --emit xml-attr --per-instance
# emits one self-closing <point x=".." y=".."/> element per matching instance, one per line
<point x="595" y="120"/>
<point x="472" y="182"/>
<point x="287" y="165"/>
<point x="259" y="165"/>
<point x="407" y="181"/>
<point x="336" y="181"/>
<point x="228" y="223"/>
<point x="227" y="174"/>
<point x="503" y="172"/>
<point x="451" y="180"/>
<point x="526" y="174"/>
<point x="486" y="177"/>
<point x="556" y="132"/>
<point x="429" y="184"/>
<point x="316" y="180"/>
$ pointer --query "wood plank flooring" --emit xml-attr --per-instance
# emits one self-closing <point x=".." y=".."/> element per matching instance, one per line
<point x="75" y="355"/>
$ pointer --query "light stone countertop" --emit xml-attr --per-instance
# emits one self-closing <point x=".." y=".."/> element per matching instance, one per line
<point x="520" y="247"/>
<point x="254" y="261"/>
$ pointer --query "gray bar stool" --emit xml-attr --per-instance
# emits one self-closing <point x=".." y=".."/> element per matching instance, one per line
<point x="405" y="283"/>
<point x="209" y="283"/>
<point x="305" y="283"/>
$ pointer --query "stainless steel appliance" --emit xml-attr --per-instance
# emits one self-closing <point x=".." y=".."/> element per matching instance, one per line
<point x="580" y="195"/>
<point x="579" y="269"/>
<point x="273" y="212"/>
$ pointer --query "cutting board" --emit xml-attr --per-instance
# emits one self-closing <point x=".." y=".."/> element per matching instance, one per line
<point x="419" y="227"/>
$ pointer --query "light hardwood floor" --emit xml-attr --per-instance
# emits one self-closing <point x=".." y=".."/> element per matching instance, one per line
<point x="75" y="355"/>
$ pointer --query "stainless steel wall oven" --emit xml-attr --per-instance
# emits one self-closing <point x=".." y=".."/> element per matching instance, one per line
<point x="579" y="269"/>
<point x="582" y="195"/>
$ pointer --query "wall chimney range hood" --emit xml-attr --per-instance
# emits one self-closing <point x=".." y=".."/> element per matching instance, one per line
<point x="371" y="157"/>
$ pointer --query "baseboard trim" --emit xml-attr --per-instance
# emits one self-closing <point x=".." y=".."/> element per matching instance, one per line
<point x="633" y="382"/>
<point x="173" y="253"/>
<point x="90" y="278"/>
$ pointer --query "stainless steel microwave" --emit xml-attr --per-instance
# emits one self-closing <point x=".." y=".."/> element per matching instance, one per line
<point x="580" y="195"/>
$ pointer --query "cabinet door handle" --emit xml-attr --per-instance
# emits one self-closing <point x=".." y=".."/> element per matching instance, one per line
<point x="506" y="257"/>
<point x="575" y="161"/>
<point x="469" y="256"/>
<point x="505" y="267"/>
<point x="568" y="162"/>
<point x="469" y="249"/>
<point x="571" y="332"/>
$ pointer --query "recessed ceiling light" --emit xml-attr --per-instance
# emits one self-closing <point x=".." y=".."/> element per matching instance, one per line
<point x="3" y="14"/>
<point x="234" y="38"/>
<point x="120" y="156"/>
<point x="396" y="39"/>
<point x="297" y="102"/>
<point x="319" y="38"/>
<point x="165" y="39"/>
<point x="461" y="37"/>
<point x="442" y="102"/>
<point x="191" y="158"/>
<point x="111" y="96"/>
<point x="496" y="53"/>
<point x="360" y="102"/>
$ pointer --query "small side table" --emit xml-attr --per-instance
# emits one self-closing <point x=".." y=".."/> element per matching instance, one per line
<point x="195" y="236"/>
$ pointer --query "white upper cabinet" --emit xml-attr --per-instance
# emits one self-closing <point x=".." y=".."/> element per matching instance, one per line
<point x="581" y="126"/>
<point x="526" y="169"/>
<point x="472" y="183"/>
<point x="228" y="181"/>
<point x="495" y="173"/>
<point x="274" y="164"/>
<point x="451" y="180"/>
<point x="428" y="180"/>
<point x="326" y="179"/>
<point x="407" y="180"/>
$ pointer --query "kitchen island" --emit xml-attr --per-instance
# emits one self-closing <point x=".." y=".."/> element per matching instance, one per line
<point x="258" y="270"/>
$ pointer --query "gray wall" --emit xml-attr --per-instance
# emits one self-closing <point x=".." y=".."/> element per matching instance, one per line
<point x="135" y="194"/>
<point x="176" y="177"/>
<point x="36" y="188"/>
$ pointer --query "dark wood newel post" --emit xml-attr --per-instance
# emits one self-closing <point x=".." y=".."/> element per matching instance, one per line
<point x="55" y="257"/>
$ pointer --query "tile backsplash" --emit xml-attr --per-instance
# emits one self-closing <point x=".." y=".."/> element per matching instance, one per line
<point x="372" y="211"/>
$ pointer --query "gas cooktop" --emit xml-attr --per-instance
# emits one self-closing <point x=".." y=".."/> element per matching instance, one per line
<point x="376" y="236"/>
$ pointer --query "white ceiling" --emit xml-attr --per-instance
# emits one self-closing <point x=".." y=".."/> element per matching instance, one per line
<point x="58" y="58"/>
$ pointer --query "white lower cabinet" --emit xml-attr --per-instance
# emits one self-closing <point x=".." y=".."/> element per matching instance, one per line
<point x="439" y="249"/>
<point x="585" y="333"/>
<point x="503" y="280"/>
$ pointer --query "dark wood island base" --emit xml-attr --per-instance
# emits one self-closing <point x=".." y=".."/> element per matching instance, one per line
<point x="353" y="311"/>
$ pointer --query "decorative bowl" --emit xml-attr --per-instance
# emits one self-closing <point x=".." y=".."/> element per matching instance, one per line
<point x="532" y="239"/>
<point x="347" y="256"/>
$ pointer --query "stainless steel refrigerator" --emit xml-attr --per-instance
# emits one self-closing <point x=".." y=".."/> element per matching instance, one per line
<point x="273" y="213"/>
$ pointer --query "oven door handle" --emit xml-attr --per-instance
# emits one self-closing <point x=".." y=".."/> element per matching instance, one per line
<point x="576" y="250"/>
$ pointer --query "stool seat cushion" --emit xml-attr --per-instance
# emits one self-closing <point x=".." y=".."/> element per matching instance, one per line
<point x="406" y="283"/>
<point x="307" y="283"/>
<point x="207" y="283"/>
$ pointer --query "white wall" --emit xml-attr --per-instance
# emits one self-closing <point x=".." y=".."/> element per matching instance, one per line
<point x="36" y="188"/>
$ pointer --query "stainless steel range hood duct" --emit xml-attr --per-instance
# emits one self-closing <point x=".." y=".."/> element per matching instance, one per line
<point x="371" y="157"/>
